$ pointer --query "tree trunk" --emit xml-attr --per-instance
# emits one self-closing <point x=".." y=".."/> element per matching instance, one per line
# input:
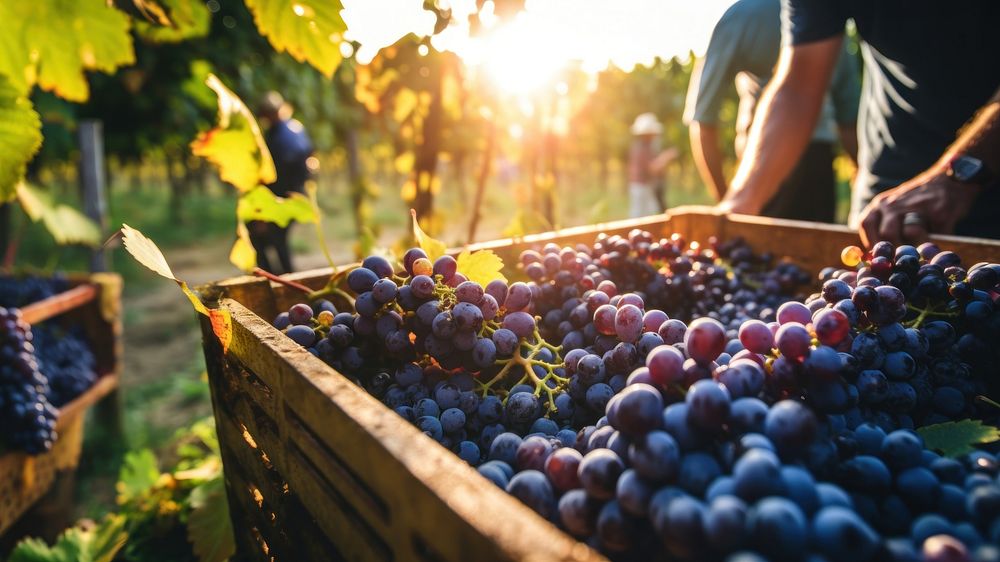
<point x="484" y="174"/>
<point x="356" y="179"/>
<point x="425" y="164"/>
<point x="178" y="190"/>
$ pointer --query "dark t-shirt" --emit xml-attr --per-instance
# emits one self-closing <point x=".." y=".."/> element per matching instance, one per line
<point x="929" y="65"/>
<point x="289" y="146"/>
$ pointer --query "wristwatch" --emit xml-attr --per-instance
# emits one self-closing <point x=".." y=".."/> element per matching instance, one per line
<point x="969" y="169"/>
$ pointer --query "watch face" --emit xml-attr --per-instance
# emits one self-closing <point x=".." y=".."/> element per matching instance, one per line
<point x="965" y="168"/>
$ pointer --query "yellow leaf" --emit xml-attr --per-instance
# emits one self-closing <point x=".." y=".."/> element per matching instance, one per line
<point x="31" y="202"/>
<point x="243" y="255"/>
<point x="309" y="30"/>
<point x="20" y="136"/>
<point x="406" y="102"/>
<point x="54" y="43"/>
<point x="145" y="252"/>
<point x="261" y="204"/>
<point x="235" y="146"/>
<point x="482" y="266"/>
<point x="433" y="248"/>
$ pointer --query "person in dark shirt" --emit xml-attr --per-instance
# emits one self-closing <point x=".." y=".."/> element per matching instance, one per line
<point x="290" y="148"/>
<point x="930" y="67"/>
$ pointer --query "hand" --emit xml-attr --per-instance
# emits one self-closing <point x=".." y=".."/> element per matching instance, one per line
<point x="933" y="196"/>
<point x="738" y="201"/>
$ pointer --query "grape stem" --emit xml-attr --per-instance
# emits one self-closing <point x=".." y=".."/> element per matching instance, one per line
<point x="277" y="279"/>
<point x="527" y="362"/>
<point x="924" y="313"/>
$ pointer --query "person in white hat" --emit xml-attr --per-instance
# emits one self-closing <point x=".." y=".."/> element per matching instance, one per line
<point x="645" y="166"/>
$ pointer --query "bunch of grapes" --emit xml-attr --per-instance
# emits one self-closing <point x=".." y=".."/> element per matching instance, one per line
<point x="66" y="360"/>
<point x="16" y="292"/>
<point x="26" y="415"/>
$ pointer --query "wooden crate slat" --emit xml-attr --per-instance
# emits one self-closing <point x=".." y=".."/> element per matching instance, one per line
<point x="55" y="305"/>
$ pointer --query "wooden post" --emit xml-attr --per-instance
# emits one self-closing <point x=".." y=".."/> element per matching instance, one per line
<point x="94" y="183"/>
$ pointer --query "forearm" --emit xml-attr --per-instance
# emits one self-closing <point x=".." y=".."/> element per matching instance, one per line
<point x="782" y="127"/>
<point x="708" y="157"/>
<point x="980" y="138"/>
<point x="849" y="140"/>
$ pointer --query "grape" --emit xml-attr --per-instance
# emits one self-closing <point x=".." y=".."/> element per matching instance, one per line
<point x="531" y="487"/>
<point x="672" y="331"/>
<point x="790" y="426"/>
<point x="604" y="319"/>
<point x="778" y="528"/>
<point x="708" y="405"/>
<point x="300" y="314"/>
<point x="578" y="513"/>
<point x="532" y="453"/>
<point x="756" y="336"/>
<point x="360" y="280"/>
<point x="841" y="535"/>
<point x="742" y="378"/>
<point x="831" y="326"/>
<point x="793" y="341"/>
<point x="599" y="471"/>
<point x="302" y="335"/>
<point x="521" y="324"/>
<point x="384" y="290"/>
<point x="794" y="312"/>
<point x="704" y="340"/>
<point x="627" y="323"/>
<point x="725" y="524"/>
<point x="518" y="297"/>
<point x="665" y="365"/>
<point x="757" y="474"/>
<point x="561" y="467"/>
<point x="633" y="494"/>
<point x="655" y="456"/>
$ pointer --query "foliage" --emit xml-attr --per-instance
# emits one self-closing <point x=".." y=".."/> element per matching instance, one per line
<point x="235" y="145"/>
<point x="64" y="223"/>
<point x="83" y="543"/>
<point x="20" y="137"/>
<point x="184" y="20"/>
<point x="482" y="266"/>
<point x="53" y="42"/>
<point x="261" y="204"/>
<point x="309" y="30"/>
<point x="433" y="248"/>
<point x="957" y="438"/>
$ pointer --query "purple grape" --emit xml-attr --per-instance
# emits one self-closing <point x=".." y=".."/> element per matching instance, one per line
<point x="628" y="323"/>
<point x="518" y="297"/>
<point x="793" y="341"/>
<point x="756" y="336"/>
<point x="422" y="287"/>
<point x="300" y="314"/>
<point x="705" y="340"/>
<point x="521" y="323"/>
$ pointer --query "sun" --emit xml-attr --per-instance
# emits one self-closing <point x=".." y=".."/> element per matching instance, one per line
<point x="521" y="57"/>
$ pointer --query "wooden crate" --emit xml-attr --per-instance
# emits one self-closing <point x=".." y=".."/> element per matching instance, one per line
<point x="317" y="469"/>
<point x="93" y="302"/>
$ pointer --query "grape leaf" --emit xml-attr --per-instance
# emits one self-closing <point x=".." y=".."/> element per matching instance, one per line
<point x="243" y="255"/>
<point x="138" y="474"/>
<point x="209" y="527"/>
<point x="482" y="266"/>
<point x="187" y="20"/>
<point x="954" y="439"/>
<point x="64" y="223"/>
<point x="20" y="137"/>
<point x="434" y="248"/>
<point x="77" y="544"/>
<point x="261" y="204"/>
<point x="145" y="252"/>
<point x="235" y="146"/>
<point x="309" y="30"/>
<point x="54" y="42"/>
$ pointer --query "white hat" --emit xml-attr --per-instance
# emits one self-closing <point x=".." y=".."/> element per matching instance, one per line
<point x="646" y="124"/>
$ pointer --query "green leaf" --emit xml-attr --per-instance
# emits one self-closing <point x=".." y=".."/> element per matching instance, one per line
<point x="309" y="30"/>
<point x="482" y="266"/>
<point x="235" y="146"/>
<point x="261" y="204"/>
<point x="20" y="137"/>
<point x="954" y="439"/>
<point x="54" y="42"/>
<point x="433" y="248"/>
<point x="209" y="528"/>
<point x="138" y="474"/>
<point x="187" y="20"/>
<point x="77" y="544"/>
<point x="64" y="223"/>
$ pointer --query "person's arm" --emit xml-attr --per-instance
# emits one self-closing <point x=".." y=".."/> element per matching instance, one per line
<point x="707" y="152"/>
<point x="710" y="82"/>
<point x="935" y="198"/>
<point x="784" y="123"/>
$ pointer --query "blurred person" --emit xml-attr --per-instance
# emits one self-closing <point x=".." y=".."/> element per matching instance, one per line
<point x="744" y="48"/>
<point x="930" y="68"/>
<point x="646" y="163"/>
<point x="290" y="148"/>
